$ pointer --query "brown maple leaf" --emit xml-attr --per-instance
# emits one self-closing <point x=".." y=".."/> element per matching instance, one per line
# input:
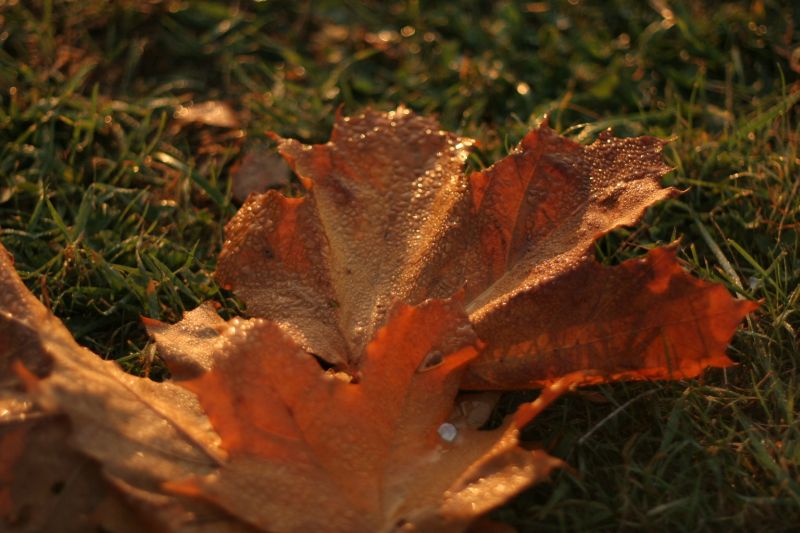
<point x="80" y="437"/>
<point x="413" y="281"/>
<point x="313" y="451"/>
<point x="389" y="216"/>
<point x="285" y="447"/>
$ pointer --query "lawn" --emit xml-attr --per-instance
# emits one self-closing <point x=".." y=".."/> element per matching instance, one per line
<point x="114" y="207"/>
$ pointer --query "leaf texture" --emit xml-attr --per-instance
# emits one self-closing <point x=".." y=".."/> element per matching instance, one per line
<point x="312" y="451"/>
<point x="285" y="446"/>
<point x="127" y="435"/>
<point x="395" y="283"/>
<point x="389" y="216"/>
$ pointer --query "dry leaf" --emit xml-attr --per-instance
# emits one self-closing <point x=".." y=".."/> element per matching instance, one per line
<point x="210" y="113"/>
<point x="47" y="486"/>
<point x="292" y="447"/>
<point x="141" y="433"/>
<point x="389" y="216"/>
<point x="309" y="451"/>
<point x="414" y="281"/>
<point x="259" y="170"/>
<point x="644" y="319"/>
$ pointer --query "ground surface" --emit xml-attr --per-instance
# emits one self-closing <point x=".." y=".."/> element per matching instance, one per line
<point x="113" y="209"/>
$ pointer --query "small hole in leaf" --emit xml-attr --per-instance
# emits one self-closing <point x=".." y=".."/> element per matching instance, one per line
<point x="323" y="364"/>
<point x="57" y="487"/>
<point x="332" y="371"/>
<point x="433" y="359"/>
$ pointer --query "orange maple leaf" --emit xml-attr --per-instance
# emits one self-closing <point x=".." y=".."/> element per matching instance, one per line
<point x="310" y="451"/>
<point x="268" y="440"/>
<point x="389" y="216"/>
<point x="413" y="281"/>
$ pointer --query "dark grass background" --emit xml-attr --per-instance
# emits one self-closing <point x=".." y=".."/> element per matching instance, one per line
<point x="114" y="209"/>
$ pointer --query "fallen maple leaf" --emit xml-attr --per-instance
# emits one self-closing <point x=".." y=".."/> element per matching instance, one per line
<point x="337" y="455"/>
<point x="413" y="281"/>
<point x="292" y="447"/>
<point x="389" y="216"/>
<point x="138" y="433"/>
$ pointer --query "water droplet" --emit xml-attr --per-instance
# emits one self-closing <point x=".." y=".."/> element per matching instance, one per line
<point x="447" y="432"/>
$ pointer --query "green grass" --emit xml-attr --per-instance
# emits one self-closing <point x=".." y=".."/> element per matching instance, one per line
<point x="113" y="212"/>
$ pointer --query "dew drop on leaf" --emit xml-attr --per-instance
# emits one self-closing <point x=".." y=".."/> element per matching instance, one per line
<point x="448" y="432"/>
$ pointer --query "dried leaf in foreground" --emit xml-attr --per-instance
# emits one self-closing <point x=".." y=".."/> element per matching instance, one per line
<point x="124" y="438"/>
<point x="389" y="216"/>
<point x="286" y="446"/>
<point x="310" y="451"/>
<point x="412" y="280"/>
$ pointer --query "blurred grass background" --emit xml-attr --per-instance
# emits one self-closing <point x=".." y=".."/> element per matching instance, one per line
<point x="113" y="204"/>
